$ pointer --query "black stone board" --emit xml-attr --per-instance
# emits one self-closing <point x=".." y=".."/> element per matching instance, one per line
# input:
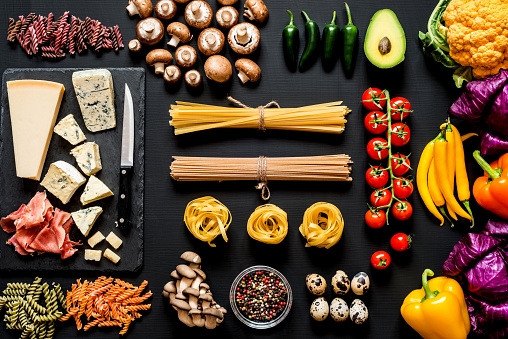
<point x="19" y="191"/>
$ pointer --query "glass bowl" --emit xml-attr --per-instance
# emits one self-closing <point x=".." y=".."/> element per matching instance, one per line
<point x="259" y="324"/>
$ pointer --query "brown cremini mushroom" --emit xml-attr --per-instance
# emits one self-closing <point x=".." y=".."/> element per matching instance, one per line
<point x="149" y="31"/>
<point x="158" y="58"/>
<point x="211" y="41"/>
<point x="255" y="10"/>
<point x="211" y="316"/>
<point x="182" y="1"/>
<point x="183" y="309"/>
<point x="171" y="75"/>
<point x="179" y="32"/>
<point x="227" y="17"/>
<point x="244" y="38"/>
<point x="134" y="45"/>
<point x="248" y="70"/>
<point x="165" y="9"/>
<point x="193" y="78"/>
<point x="198" y="14"/>
<point x="227" y="2"/>
<point x="218" y="68"/>
<point x="186" y="56"/>
<point x="142" y="7"/>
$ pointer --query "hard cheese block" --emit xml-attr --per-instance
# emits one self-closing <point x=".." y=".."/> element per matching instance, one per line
<point x="34" y="106"/>
<point x="84" y="219"/>
<point x="62" y="180"/>
<point x="94" y="190"/>
<point x="96" y="98"/>
<point x="88" y="157"/>
<point x="69" y="129"/>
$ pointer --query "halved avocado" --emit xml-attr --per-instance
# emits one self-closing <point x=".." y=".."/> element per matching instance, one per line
<point x="385" y="41"/>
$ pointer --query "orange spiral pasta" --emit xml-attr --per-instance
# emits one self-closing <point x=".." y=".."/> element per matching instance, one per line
<point x="268" y="224"/>
<point x="322" y="225"/>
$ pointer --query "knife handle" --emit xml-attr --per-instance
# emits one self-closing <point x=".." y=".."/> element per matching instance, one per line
<point x="124" y="198"/>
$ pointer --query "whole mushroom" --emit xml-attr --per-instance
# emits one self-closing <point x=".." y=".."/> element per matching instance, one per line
<point x="187" y="274"/>
<point x="248" y="70"/>
<point x="179" y="32"/>
<point x="198" y="14"/>
<point x="255" y="10"/>
<point x="142" y="7"/>
<point x="244" y="38"/>
<point x="211" y="316"/>
<point x="171" y="75"/>
<point x="149" y="31"/>
<point x="227" y="17"/>
<point x="197" y="318"/>
<point x="183" y="309"/>
<point x="193" y="78"/>
<point x="192" y="258"/>
<point x="165" y="9"/>
<point x="218" y="68"/>
<point x="182" y="1"/>
<point x="135" y="45"/>
<point x="186" y="56"/>
<point x="211" y="41"/>
<point x="158" y="58"/>
<point x="227" y="2"/>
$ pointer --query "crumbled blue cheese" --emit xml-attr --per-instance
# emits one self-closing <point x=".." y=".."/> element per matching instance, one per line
<point x="62" y="180"/>
<point x="94" y="190"/>
<point x="96" y="98"/>
<point x="84" y="219"/>
<point x="88" y="157"/>
<point x="69" y="129"/>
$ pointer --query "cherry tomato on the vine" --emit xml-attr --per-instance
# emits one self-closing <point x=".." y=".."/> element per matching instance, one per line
<point x="402" y="188"/>
<point x="375" y="122"/>
<point x="400" y="134"/>
<point x="402" y="210"/>
<point x="400" y="108"/>
<point x="401" y="241"/>
<point x="376" y="176"/>
<point x="380" y="198"/>
<point x="375" y="219"/>
<point x="373" y="99"/>
<point x="377" y="148"/>
<point x="380" y="260"/>
<point x="400" y="164"/>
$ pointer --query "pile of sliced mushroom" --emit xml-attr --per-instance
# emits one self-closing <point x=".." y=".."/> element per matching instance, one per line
<point x="190" y="296"/>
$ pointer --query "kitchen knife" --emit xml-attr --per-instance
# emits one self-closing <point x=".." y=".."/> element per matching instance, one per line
<point x="126" y="162"/>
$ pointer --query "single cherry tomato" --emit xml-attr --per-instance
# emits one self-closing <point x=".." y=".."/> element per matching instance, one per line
<point x="400" y="134"/>
<point x="373" y="99"/>
<point x="400" y="108"/>
<point x="380" y="260"/>
<point x="402" y="188"/>
<point x="375" y="219"/>
<point x="380" y="198"/>
<point x="377" y="176"/>
<point x="375" y="122"/>
<point x="377" y="148"/>
<point x="402" y="210"/>
<point x="401" y="241"/>
<point x="400" y="164"/>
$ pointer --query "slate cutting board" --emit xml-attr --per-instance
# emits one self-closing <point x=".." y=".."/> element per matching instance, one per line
<point x="16" y="191"/>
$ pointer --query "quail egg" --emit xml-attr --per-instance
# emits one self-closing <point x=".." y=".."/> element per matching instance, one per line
<point x="340" y="282"/>
<point x="360" y="283"/>
<point x="358" y="312"/>
<point x="316" y="284"/>
<point x="339" y="310"/>
<point x="319" y="309"/>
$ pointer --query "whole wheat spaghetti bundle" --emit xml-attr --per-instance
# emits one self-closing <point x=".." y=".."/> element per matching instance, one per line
<point x="324" y="118"/>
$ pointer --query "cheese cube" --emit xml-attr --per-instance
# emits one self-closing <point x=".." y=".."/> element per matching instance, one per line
<point x="114" y="240"/>
<point x="69" y="129"/>
<point x="95" y="239"/>
<point x="88" y="157"/>
<point x="96" y="98"/>
<point x="85" y="219"/>
<point x="111" y="255"/>
<point x="93" y="255"/>
<point x="94" y="190"/>
<point x="62" y="180"/>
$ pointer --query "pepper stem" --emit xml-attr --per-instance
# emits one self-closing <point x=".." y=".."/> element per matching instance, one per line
<point x="292" y="19"/>
<point x="334" y="17"/>
<point x="468" y="209"/>
<point x="491" y="172"/>
<point x="306" y="16"/>
<point x="428" y="293"/>
<point x="349" y="20"/>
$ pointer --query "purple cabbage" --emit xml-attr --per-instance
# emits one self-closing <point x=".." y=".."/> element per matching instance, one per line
<point x="488" y="319"/>
<point x="498" y="116"/>
<point x="492" y="144"/>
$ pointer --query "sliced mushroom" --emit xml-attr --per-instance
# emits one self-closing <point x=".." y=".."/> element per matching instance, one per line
<point x="186" y="56"/>
<point x="211" y="316"/>
<point x="179" y="32"/>
<point x="211" y="41"/>
<point x="227" y="2"/>
<point x="142" y="7"/>
<point x="197" y="319"/>
<point x="255" y="10"/>
<point x="248" y="70"/>
<point x="183" y="309"/>
<point x="135" y="45"/>
<point x="149" y="31"/>
<point x="227" y="17"/>
<point x="198" y="14"/>
<point x="171" y="75"/>
<point x="244" y="38"/>
<point x="218" y="68"/>
<point x="158" y="58"/>
<point x="165" y="9"/>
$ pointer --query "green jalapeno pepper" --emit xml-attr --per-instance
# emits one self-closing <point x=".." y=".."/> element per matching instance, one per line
<point x="349" y="35"/>
<point x="311" y="51"/>
<point x="290" y="42"/>
<point x="330" y="39"/>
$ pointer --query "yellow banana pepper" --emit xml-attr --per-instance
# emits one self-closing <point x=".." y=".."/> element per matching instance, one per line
<point x="438" y="310"/>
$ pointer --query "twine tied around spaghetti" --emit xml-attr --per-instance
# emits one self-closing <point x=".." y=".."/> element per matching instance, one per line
<point x="262" y="178"/>
<point x="261" y="125"/>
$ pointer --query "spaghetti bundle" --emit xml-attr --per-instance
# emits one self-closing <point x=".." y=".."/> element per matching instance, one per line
<point x="324" y="118"/>
<point x="322" y="225"/>
<point x="268" y="224"/>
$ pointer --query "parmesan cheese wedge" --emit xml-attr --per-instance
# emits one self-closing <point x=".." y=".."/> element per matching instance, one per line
<point x="94" y="255"/>
<point x="114" y="240"/>
<point x="95" y="239"/>
<point x="111" y="256"/>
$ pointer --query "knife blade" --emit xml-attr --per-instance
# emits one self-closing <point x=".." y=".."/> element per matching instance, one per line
<point x="126" y="161"/>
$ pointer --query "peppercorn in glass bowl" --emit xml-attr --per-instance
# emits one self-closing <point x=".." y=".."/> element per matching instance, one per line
<point x="260" y="297"/>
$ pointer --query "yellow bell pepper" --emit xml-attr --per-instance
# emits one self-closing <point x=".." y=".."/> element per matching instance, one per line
<point x="438" y="310"/>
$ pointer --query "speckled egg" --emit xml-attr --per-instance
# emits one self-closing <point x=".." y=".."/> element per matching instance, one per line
<point x="319" y="309"/>
<point x="341" y="283"/>
<point x="358" y="312"/>
<point x="339" y="310"/>
<point x="316" y="284"/>
<point x="360" y="283"/>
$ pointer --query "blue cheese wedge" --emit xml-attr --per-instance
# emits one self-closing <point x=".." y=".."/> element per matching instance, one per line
<point x="69" y="129"/>
<point x="88" y="157"/>
<point x="94" y="190"/>
<point x="62" y="180"/>
<point x="96" y="98"/>
<point x="84" y="219"/>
